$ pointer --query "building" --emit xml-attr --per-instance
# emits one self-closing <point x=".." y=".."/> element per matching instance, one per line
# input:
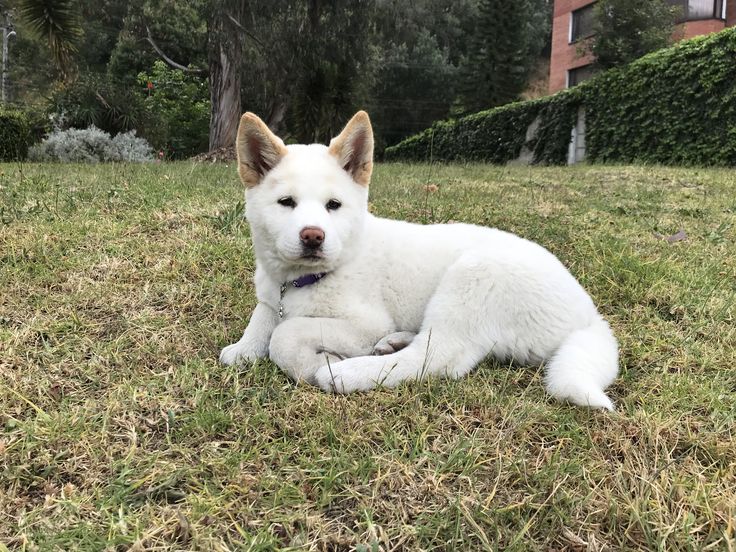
<point x="573" y="22"/>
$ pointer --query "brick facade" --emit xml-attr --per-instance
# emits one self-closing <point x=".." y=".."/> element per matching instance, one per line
<point x="690" y="29"/>
<point x="566" y="56"/>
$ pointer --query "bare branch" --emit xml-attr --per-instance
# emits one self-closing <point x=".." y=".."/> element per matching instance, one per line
<point x="167" y="59"/>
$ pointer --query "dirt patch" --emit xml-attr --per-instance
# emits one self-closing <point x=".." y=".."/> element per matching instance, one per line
<point x="224" y="154"/>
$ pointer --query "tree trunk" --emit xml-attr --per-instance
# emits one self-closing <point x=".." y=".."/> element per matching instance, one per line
<point x="224" y="51"/>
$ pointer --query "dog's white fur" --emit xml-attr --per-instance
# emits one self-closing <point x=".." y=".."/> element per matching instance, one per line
<point x="465" y="291"/>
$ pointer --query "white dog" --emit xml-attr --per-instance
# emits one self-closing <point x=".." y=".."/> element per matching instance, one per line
<point x="348" y="301"/>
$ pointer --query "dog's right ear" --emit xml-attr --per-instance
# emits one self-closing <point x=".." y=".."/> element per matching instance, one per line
<point x="259" y="149"/>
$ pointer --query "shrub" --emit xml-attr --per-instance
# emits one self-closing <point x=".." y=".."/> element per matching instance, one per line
<point x="126" y="146"/>
<point x="14" y="135"/>
<point x="182" y="104"/>
<point x="676" y="106"/>
<point x="96" y="100"/>
<point x="91" y="145"/>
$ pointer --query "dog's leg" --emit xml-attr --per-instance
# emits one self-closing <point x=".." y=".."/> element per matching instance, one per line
<point x="301" y="345"/>
<point x="451" y="342"/>
<point x="393" y="343"/>
<point x="424" y="357"/>
<point x="254" y="343"/>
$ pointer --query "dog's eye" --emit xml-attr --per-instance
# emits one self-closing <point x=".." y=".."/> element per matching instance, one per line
<point x="287" y="201"/>
<point x="333" y="205"/>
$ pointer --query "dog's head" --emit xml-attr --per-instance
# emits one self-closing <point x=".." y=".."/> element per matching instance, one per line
<point x="306" y="204"/>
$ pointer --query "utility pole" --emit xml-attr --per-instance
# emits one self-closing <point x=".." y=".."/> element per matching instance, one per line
<point x="7" y="33"/>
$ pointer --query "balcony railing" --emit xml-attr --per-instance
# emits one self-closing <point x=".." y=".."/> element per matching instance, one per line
<point x="694" y="10"/>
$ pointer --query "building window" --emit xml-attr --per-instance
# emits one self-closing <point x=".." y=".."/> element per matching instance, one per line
<point x="579" y="74"/>
<point x="693" y="10"/>
<point x="582" y="23"/>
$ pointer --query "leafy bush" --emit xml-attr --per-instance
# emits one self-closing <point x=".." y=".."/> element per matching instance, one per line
<point x="676" y="106"/>
<point x="182" y="104"/>
<point x="39" y="124"/>
<point x="91" y="145"/>
<point x="14" y="135"/>
<point x="169" y="108"/>
<point x="96" y="100"/>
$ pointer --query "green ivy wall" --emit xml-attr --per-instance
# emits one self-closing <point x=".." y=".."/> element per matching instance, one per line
<point x="676" y="107"/>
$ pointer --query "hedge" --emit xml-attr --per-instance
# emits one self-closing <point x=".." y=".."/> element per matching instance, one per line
<point x="14" y="135"/>
<point x="676" y="106"/>
<point x="497" y="135"/>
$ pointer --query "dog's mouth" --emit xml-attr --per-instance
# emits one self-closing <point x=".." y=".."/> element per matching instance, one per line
<point x="312" y="256"/>
<point x="305" y="257"/>
<point x="312" y="253"/>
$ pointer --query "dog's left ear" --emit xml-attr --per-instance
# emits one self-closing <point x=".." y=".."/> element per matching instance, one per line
<point x="353" y="148"/>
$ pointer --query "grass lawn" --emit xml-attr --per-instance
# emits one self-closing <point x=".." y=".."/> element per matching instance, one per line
<point x="119" y="430"/>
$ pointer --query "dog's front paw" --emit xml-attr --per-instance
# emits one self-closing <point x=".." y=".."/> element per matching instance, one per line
<point x="393" y="342"/>
<point x="239" y="353"/>
<point x="346" y="376"/>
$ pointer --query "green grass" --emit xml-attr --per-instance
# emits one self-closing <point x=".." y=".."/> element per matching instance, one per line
<point x="119" y="285"/>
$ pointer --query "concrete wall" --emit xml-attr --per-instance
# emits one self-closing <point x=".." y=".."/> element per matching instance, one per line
<point x="575" y="148"/>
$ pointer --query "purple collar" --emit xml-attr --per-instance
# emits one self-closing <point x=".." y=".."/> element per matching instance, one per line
<point x="307" y="280"/>
<point x="302" y="281"/>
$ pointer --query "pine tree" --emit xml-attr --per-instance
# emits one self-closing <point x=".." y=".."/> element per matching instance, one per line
<point x="500" y="55"/>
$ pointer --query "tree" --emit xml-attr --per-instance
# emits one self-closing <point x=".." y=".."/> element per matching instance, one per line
<point x="189" y="36"/>
<point x="308" y="64"/>
<point x="419" y="47"/>
<point x="103" y="20"/>
<point x="224" y="51"/>
<point x="625" y="30"/>
<point x="58" y="22"/>
<point x="304" y="66"/>
<point x="503" y="49"/>
<point x="176" y="29"/>
<point x="333" y="70"/>
<point x="414" y="88"/>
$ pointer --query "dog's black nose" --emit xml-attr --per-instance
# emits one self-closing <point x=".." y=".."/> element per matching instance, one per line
<point x="312" y="237"/>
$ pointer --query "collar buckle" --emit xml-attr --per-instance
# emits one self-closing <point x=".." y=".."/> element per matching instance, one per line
<point x="302" y="281"/>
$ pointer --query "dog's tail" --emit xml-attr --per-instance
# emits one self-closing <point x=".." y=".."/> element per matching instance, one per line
<point x="584" y="365"/>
